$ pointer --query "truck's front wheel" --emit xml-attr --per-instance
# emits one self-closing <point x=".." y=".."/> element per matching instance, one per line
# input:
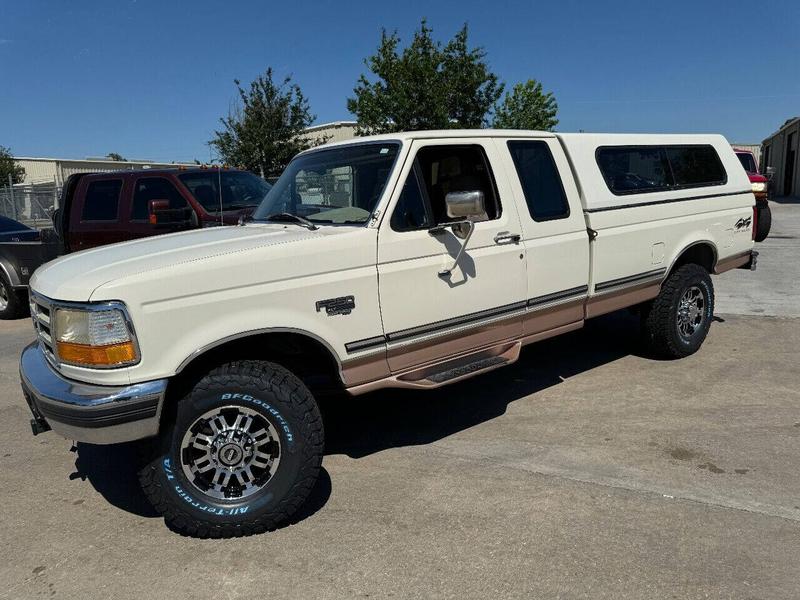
<point x="243" y="455"/>
<point x="676" y="323"/>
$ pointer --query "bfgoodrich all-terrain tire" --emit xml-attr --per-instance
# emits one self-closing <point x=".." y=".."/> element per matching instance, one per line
<point x="243" y="455"/>
<point x="676" y="323"/>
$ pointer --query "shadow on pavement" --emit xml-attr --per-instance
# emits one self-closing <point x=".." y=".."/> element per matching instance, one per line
<point x="363" y="425"/>
<point x="112" y="471"/>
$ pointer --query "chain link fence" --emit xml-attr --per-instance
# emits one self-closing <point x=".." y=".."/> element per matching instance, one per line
<point x="30" y="204"/>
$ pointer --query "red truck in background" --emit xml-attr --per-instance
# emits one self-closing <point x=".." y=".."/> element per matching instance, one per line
<point x="105" y="208"/>
<point x="760" y="185"/>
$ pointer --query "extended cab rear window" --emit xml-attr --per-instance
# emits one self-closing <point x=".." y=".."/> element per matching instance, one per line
<point x="643" y="169"/>
<point x="102" y="200"/>
<point x="541" y="183"/>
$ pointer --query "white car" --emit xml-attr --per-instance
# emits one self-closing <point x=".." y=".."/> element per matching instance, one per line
<point x="418" y="259"/>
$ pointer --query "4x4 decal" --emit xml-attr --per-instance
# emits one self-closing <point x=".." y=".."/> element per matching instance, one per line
<point x="743" y="223"/>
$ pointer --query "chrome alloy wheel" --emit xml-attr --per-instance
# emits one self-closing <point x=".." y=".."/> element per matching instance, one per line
<point x="230" y="452"/>
<point x="691" y="311"/>
<point x="3" y="296"/>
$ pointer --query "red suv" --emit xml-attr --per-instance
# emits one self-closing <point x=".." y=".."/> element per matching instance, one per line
<point x="760" y="185"/>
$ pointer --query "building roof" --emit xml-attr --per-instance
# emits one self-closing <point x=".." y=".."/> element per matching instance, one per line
<point x="100" y="160"/>
<point x="787" y="123"/>
<point x="331" y="125"/>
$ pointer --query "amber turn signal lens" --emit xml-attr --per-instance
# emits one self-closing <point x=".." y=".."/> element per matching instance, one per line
<point x="92" y="356"/>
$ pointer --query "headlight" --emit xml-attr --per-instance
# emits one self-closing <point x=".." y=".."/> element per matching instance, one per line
<point x="94" y="338"/>
<point x="759" y="186"/>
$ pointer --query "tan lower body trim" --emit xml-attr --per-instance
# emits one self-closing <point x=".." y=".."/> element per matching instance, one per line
<point x="392" y="369"/>
<point x="366" y="368"/>
<point x="616" y="299"/>
<point x="406" y="365"/>
<point x="441" y="347"/>
<point x="417" y="377"/>
<point x="732" y="262"/>
<point x="552" y="317"/>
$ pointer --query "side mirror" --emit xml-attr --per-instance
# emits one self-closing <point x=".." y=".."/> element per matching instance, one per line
<point x="468" y="207"/>
<point x="465" y="205"/>
<point x="161" y="215"/>
<point x="157" y="211"/>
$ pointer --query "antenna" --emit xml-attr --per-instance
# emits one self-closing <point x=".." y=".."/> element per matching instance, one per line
<point x="219" y="187"/>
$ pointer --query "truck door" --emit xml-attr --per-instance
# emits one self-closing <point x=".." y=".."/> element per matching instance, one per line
<point x="428" y="316"/>
<point x="96" y="214"/>
<point x="554" y="233"/>
<point x="176" y="218"/>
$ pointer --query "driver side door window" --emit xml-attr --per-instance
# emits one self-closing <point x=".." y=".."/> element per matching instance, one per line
<point x="437" y="171"/>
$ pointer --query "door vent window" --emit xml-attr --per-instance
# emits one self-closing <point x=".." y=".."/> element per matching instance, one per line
<point x="411" y="212"/>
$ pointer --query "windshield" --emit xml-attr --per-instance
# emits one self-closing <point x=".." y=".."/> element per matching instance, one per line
<point x="748" y="162"/>
<point x="239" y="189"/>
<point x="337" y="185"/>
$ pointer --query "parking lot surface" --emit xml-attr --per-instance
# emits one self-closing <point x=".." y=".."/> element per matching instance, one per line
<point x="584" y="470"/>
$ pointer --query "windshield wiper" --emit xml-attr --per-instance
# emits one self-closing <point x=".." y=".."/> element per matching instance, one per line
<point x="285" y="216"/>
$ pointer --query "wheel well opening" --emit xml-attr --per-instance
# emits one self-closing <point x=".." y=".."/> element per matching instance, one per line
<point x="309" y="359"/>
<point x="699" y="254"/>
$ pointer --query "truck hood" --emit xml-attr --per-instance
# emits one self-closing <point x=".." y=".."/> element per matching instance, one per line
<point x="75" y="277"/>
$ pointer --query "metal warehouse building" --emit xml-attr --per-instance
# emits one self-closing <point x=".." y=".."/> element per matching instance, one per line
<point x="57" y="170"/>
<point x="780" y="151"/>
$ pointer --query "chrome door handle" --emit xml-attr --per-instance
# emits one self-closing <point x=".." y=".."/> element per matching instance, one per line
<point x="506" y="236"/>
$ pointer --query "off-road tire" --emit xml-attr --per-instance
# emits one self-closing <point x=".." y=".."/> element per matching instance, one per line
<point x="286" y="403"/>
<point x="660" y="327"/>
<point x="12" y="302"/>
<point x="763" y="221"/>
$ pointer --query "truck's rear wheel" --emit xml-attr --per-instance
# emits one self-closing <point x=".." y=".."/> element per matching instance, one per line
<point x="12" y="304"/>
<point x="243" y="455"/>
<point x="676" y="323"/>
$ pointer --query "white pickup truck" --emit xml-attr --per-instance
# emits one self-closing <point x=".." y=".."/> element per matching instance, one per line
<point x="410" y="260"/>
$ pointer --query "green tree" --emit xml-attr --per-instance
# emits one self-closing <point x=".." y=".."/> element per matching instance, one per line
<point x="265" y="130"/>
<point x="115" y="156"/>
<point x="427" y="85"/>
<point x="9" y="167"/>
<point x="527" y="107"/>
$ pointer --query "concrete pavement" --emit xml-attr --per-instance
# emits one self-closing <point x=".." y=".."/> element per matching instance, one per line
<point x="583" y="471"/>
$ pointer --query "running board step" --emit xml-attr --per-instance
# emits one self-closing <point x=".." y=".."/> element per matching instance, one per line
<point x="468" y="369"/>
<point x="460" y="368"/>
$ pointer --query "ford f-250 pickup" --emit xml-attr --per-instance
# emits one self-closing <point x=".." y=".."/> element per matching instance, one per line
<point x="409" y="260"/>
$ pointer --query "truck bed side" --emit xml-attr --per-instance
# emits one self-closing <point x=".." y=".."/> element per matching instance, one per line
<point x="640" y="236"/>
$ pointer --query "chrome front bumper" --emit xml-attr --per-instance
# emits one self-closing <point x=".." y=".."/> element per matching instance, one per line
<point x="97" y="414"/>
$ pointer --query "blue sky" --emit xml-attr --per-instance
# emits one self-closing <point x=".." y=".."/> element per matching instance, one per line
<point x="150" y="79"/>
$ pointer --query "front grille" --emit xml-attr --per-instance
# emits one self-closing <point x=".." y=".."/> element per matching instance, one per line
<point x="41" y="311"/>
